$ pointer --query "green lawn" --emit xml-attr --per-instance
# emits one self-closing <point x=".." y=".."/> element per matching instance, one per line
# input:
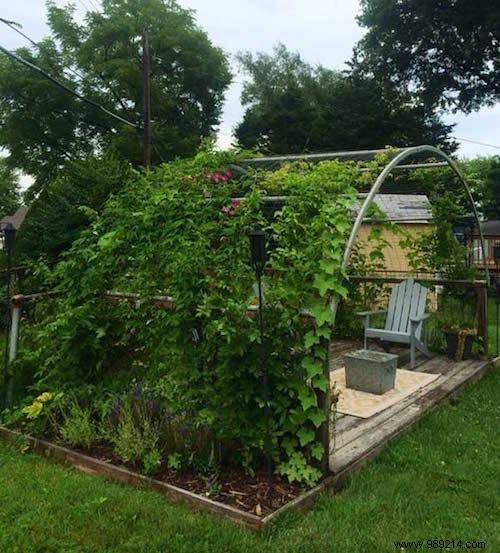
<point x="439" y="482"/>
<point x="492" y="327"/>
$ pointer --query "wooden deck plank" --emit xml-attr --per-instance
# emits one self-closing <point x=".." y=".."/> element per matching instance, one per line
<point x="371" y="442"/>
<point x="433" y="366"/>
<point x="351" y="430"/>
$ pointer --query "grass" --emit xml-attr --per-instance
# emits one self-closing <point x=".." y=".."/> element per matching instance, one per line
<point x="492" y="327"/>
<point x="441" y="481"/>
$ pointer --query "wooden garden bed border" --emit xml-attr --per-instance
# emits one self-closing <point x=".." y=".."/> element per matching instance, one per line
<point x="335" y="482"/>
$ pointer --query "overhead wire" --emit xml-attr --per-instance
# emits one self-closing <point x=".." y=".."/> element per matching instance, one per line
<point x="477" y="142"/>
<point x="61" y="85"/>
<point x="15" y="27"/>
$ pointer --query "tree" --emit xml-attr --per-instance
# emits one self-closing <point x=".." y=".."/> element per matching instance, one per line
<point x="68" y="203"/>
<point x="294" y="107"/>
<point x="484" y="173"/>
<point x="447" y="50"/>
<point x="42" y="126"/>
<point x="9" y="190"/>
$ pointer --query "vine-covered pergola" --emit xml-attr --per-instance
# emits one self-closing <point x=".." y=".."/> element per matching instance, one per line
<point x="315" y="364"/>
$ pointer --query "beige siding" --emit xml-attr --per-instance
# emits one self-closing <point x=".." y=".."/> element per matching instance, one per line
<point x="396" y="257"/>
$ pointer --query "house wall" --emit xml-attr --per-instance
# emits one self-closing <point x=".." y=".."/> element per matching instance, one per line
<point x="477" y="255"/>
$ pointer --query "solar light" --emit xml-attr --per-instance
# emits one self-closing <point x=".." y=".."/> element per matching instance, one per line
<point x="258" y="251"/>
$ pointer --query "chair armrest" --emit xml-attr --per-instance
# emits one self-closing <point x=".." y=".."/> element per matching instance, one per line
<point x="365" y="313"/>
<point x="415" y="320"/>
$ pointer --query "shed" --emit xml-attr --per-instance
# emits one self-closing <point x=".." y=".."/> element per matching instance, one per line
<point x="411" y="212"/>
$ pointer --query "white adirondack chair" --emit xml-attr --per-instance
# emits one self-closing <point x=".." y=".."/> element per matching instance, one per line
<point x="405" y="317"/>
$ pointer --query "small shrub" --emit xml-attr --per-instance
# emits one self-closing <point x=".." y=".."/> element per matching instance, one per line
<point x="152" y="461"/>
<point x="135" y="435"/>
<point x="41" y="416"/>
<point x="174" y="461"/>
<point x="78" y="428"/>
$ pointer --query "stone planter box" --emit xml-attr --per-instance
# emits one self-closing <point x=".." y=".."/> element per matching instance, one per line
<point x="370" y="371"/>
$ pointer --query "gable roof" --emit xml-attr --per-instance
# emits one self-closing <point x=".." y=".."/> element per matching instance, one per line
<point x="16" y="219"/>
<point x="404" y="208"/>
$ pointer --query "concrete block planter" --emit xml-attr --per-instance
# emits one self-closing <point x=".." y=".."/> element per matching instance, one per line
<point x="370" y="371"/>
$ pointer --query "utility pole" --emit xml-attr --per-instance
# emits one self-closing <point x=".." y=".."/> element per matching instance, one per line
<point x="146" y="77"/>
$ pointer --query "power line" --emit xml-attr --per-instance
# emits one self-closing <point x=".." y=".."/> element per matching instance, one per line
<point x="65" y="88"/>
<point x="476" y="142"/>
<point x="84" y="5"/>
<point x="93" y="4"/>
<point x="15" y="27"/>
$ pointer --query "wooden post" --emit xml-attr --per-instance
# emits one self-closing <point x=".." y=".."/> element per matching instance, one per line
<point x="482" y="314"/>
<point x="146" y="76"/>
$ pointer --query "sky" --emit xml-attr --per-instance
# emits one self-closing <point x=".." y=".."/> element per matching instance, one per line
<point x="322" y="31"/>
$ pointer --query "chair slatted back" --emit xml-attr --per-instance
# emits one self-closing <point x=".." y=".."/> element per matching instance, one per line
<point x="408" y="299"/>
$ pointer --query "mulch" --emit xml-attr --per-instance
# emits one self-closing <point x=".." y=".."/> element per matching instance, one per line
<point x="235" y="488"/>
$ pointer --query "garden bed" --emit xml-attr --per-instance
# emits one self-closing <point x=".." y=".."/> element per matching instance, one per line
<point x="239" y="497"/>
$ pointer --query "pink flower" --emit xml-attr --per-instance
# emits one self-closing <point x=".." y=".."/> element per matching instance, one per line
<point x="219" y="176"/>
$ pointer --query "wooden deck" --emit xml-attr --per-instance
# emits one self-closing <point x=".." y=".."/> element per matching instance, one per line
<point x="357" y="440"/>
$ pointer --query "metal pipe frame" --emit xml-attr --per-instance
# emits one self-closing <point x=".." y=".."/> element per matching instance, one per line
<point x="401" y="156"/>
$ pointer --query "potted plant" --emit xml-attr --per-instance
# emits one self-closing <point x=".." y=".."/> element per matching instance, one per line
<point x="459" y="340"/>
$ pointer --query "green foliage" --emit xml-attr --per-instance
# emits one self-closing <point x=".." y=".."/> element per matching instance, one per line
<point x="455" y="308"/>
<point x="68" y="203"/>
<point x="174" y="231"/>
<point x="78" y="428"/>
<point x="484" y="176"/>
<point x="43" y="126"/>
<point x="174" y="461"/>
<point x="9" y="190"/>
<point x="295" y="107"/>
<point x="446" y="51"/>
<point x="152" y="461"/>
<point x="135" y="438"/>
<point x="41" y="415"/>
<point x="438" y="250"/>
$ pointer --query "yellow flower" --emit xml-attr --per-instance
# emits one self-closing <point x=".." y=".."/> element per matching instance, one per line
<point x="46" y="396"/>
<point x="32" y="411"/>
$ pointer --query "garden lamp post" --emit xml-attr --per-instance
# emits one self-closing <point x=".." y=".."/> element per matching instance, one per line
<point x="9" y="239"/>
<point x="259" y="258"/>
<point x="496" y="256"/>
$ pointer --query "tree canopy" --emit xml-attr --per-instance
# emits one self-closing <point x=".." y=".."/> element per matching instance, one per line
<point x="42" y="126"/>
<point x="484" y="172"/>
<point x="9" y="190"/>
<point x="69" y="202"/>
<point x="294" y="107"/>
<point x="447" y="50"/>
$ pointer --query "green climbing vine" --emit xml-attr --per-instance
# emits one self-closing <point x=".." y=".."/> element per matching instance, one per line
<point x="177" y="231"/>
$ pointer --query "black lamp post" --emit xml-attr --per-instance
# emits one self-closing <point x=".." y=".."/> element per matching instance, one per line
<point x="9" y="239"/>
<point x="259" y="258"/>
<point x="496" y="257"/>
